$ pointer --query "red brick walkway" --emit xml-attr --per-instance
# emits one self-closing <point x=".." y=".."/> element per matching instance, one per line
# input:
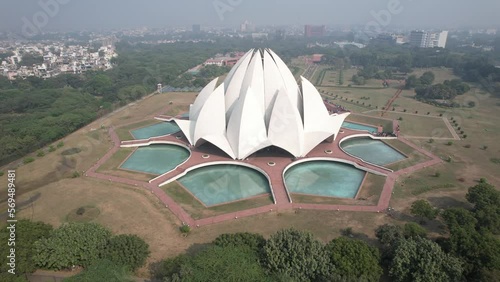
<point x="282" y="201"/>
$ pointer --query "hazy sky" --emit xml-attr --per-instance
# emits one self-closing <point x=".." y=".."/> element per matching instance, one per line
<point x="90" y="14"/>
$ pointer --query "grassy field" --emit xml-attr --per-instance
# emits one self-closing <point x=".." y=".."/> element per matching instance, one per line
<point x="419" y="126"/>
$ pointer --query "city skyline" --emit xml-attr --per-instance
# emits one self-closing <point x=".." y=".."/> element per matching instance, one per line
<point x="63" y="15"/>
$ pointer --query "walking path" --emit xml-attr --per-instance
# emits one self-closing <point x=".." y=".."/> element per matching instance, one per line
<point x="274" y="173"/>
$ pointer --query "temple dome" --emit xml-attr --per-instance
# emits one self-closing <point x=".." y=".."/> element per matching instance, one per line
<point x="258" y="105"/>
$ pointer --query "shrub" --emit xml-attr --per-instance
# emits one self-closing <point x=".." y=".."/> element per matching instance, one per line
<point x="431" y="140"/>
<point x="484" y="147"/>
<point x="60" y="144"/>
<point x="102" y="270"/>
<point x="28" y="160"/>
<point x="468" y="146"/>
<point x="252" y="240"/>
<point x="127" y="250"/>
<point x="413" y="230"/>
<point x="52" y="148"/>
<point x="440" y="115"/>
<point x="461" y="179"/>
<point x="471" y="104"/>
<point x="400" y="118"/>
<point x="483" y="180"/>
<point x="185" y="229"/>
<point x="347" y="232"/>
<point x="495" y="160"/>
<point x="449" y="143"/>
<point x="79" y="244"/>
<point x="428" y="113"/>
<point x="437" y="174"/>
<point x="40" y="153"/>
<point x="1" y="173"/>
<point x="80" y="211"/>
<point x="464" y="136"/>
<point x="404" y="110"/>
<point x="459" y="128"/>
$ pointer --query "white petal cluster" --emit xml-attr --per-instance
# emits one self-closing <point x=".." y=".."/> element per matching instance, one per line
<point x="259" y="105"/>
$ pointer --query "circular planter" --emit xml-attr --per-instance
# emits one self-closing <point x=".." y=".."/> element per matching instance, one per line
<point x="205" y="156"/>
<point x="329" y="152"/>
<point x="271" y="163"/>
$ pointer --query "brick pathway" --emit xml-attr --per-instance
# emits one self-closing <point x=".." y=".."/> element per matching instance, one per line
<point x="281" y="198"/>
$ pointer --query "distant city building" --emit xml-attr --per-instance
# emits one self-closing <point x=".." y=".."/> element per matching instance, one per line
<point x="280" y="34"/>
<point x="314" y="31"/>
<point x="196" y="28"/>
<point x="247" y="26"/>
<point x="425" y="39"/>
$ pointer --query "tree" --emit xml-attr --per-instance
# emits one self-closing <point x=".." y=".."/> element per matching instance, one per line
<point x="341" y="77"/>
<point x="486" y="200"/>
<point x="412" y="82"/>
<point x="389" y="234"/>
<point x="419" y="259"/>
<point x="252" y="240"/>
<point x="424" y="209"/>
<point x="27" y="233"/>
<point x="169" y="268"/>
<point x="412" y="230"/>
<point x="478" y="250"/>
<point x="71" y="244"/>
<point x="221" y="264"/>
<point x="427" y="78"/>
<point x="358" y="80"/>
<point x="296" y="254"/>
<point x="353" y="260"/>
<point x="102" y="270"/>
<point x="127" y="250"/>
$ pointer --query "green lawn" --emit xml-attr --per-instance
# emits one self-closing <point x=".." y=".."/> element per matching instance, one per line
<point x="422" y="126"/>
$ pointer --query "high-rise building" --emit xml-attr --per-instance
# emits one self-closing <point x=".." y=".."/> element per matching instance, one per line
<point x="247" y="26"/>
<point x="424" y="39"/>
<point x="314" y="30"/>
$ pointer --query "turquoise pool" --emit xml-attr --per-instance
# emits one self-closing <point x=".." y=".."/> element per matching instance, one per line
<point x="372" y="151"/>
<point x="357" y="126"/>
<point x="159" y="129"/>
<point x="324" y="178"/>
<point x="156" y="159"/>
<point x="220" y="184"/>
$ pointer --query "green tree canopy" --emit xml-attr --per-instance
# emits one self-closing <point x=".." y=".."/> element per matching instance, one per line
<point x="423" y="209"/>
<point x="27" y="233"/>
<point x="353" y="260"/>
<point x="102" y="270"/>
<point x="420" y="260"/>
<point x="79" y="244"/>
<point x="427" y="78"/>
<point x="252" y="240"/>
<point x="486" y="201"/>
<point x="296" y="254"/>
<point x="221" y="264"/>
<point x="127" y="250"/>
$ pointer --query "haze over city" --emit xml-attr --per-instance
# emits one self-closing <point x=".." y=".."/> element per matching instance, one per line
<point x="114" y="14"/>
<point x="249" y="140"/>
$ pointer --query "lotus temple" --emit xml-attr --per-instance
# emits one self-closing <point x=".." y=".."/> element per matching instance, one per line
<point x="259" y="141"/>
